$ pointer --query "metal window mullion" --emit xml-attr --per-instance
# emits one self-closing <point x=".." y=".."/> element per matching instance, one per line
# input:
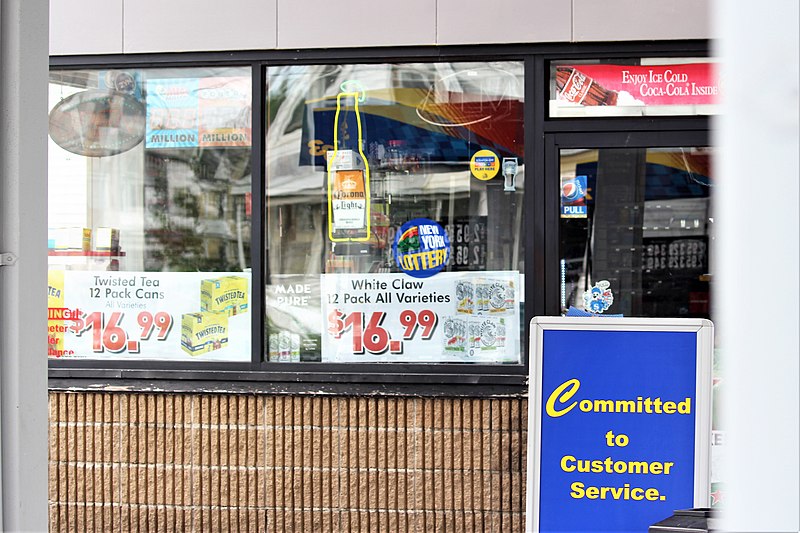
<point x="257" y="233"/>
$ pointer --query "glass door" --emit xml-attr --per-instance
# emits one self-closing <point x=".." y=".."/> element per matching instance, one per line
<point x="634" y="224"/>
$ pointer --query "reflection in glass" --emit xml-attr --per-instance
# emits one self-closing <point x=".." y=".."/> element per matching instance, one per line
<point x="640" y="219"/>
<point x="149" y="209"/>
<point x="178" y="194"/>
<point x="405" y="134"/>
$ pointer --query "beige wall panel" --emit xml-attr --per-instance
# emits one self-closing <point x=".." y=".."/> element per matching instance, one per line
<point x="85" y="27"/>
<point x="335" y="464"/>
<point x="503" y="21"/>
<point x="630" y="20"/>
<point x="322" y="24"/>
<point x="186" y="25"/>
<point x="180" y="25"/>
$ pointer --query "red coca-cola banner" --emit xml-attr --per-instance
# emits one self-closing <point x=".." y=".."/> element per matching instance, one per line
<point x="619" y="85"/>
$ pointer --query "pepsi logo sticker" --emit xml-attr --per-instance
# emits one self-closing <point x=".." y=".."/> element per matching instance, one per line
<point x="421" y="248"/>
<point x="573" y="197"/>
<point x="571" y="191"/>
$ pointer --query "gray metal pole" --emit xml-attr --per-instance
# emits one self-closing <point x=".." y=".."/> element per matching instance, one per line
<point x="757" y="270"/>
<point x="23" y="233"/>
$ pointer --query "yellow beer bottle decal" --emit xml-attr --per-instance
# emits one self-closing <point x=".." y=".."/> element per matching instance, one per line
<point x="348" y="186"/>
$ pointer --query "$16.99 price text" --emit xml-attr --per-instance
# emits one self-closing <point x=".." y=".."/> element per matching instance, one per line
<point x="369" y="334"/>
<point x="109" y="333"/>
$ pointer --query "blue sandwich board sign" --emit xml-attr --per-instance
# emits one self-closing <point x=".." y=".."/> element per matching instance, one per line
<point x="620" y="422"/>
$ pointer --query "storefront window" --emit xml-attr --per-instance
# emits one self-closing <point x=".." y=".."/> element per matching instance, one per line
<point x="391" y="203"/>
<point x="634" y="87"/>
<point x="635" y="231"/>
<point x="149" y="214"/>
<point x="394" y="213"/>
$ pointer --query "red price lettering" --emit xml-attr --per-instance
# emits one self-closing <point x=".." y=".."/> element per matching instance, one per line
<point x="376" y="338"/>
<point x="93" y="322"/>
<point x="114" y="337"/>
<point x="428" y="320"/>
<point x="408" y="319"/>
<point x="372" y="337"/>
<point x="411" y="321"/>
<point x="78" y="325"/>
<point x="164" y="324"/>
<point x="162" y="321"/>
<point x="335" y="323"/>
<point x="356" y="321"/>
<point x="110" y="335"/>
<point x="105" y="336"/>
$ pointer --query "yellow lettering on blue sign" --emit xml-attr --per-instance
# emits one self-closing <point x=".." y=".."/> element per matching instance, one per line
<point x="556" y="405"/>
<point x="424" y="260"/>
<point x="562" y="394"/>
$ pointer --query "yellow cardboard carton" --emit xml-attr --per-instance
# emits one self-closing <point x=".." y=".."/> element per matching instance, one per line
<point x="227" y="294"/>
<point x="203" y="332"/>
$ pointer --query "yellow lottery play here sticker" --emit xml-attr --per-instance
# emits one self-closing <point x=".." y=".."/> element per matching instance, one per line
<point x="484" y="165"/>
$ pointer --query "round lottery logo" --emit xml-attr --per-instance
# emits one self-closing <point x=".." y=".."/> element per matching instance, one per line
<point x="421" y="248"/>
<point x="484" y="165"/>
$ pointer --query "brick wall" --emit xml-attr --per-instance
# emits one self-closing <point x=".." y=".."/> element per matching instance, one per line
<point x="170" y="462"/>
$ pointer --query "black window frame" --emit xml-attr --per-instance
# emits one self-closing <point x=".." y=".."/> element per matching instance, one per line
<point x="540" y="248"/>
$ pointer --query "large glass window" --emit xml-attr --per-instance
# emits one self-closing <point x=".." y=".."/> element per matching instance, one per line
<point x="635" y="231"/>
<point x="149" y="214"/>
<point x="394" y="213"/>
<point x="392" y="208"/>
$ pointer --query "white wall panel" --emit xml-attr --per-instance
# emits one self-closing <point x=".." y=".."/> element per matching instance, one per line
<point x="503" y="21"/>
<point x="629" y="20"/>
<point x="758" y="252"/>
<point x="85" y="27"/>
<point x="348" y="23"/>
<point x="192" y="25"/>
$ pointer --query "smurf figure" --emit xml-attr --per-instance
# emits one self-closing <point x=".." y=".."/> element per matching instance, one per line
<point x="599" y="298"/>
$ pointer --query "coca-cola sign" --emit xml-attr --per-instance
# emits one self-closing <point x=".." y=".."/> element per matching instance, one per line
<point x="643" y="85"/>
